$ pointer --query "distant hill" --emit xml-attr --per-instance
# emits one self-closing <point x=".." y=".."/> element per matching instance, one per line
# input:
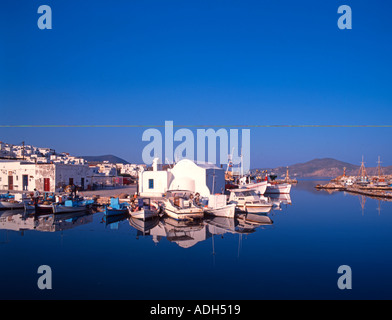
<point x="326" y="167"/>
<point x="109" y="157"/>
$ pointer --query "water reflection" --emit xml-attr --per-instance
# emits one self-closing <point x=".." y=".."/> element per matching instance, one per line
<point x="185" y="234"/>
<point x="19" y="220"/>
<point x="278" y="200"/>
<point x="363" y="199"/>
<point x="188" y="233"/>
<point x="143" y="227"/>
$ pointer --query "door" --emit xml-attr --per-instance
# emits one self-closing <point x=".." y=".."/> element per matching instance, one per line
<point x="46" y="185"/>
<point x="82" y="183"/>
<point x="25" y="182"/>
<point x="10" y="183"/>
<point x="70" y="181"/>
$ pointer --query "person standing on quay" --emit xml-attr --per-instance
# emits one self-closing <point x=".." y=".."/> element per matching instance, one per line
<point x="73" y="191"/>
<point x="36" y="195"/>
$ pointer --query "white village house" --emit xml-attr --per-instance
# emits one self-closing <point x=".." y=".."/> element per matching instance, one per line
<point x="18" y="175"/>
<point x="203" y="178"/>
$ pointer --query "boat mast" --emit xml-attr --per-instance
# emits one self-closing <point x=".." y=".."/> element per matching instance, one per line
<point x="362" y="171"/>
<point x="242" y="165"/>
<point x="229" y="165"/>
<point x="213" y="182"/>
<point x="379" y="171"/>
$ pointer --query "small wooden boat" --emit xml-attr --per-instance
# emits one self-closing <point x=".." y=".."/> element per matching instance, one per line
<point x="116" y="208"/>
<point x="142" y="210"/>
<point x="218" y="207"/>
<point x="11" y="205"/>
<point x="77" y="205"/>
<point x="6" y="196"/>
<point x="72" y="206"/>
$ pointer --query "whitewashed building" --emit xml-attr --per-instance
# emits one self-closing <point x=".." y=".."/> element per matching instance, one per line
<point x="205" y="179"/>
<point x="16" y="175"/>
<point x="130" y="169"/>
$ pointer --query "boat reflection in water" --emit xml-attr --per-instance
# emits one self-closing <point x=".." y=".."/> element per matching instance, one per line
<point x="188" y="233"/>
<point x="113" y="220"/>
<point x="185" y="233"/>
<point x="20" y="220"/>
<point x="279" y="199"/>
<point x="143" y="227"/>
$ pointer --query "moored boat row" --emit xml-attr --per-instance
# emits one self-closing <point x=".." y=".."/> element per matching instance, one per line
<point x="185" y="205"/>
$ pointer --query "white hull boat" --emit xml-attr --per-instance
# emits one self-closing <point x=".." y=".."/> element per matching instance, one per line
<point x="180" y="205"/>
<point x="283" y="188"/>
<point x="259" y="187"/>
<point x="65" y="209"/>
<point x="68" y="206"/>
<point x="142" y="214"/>
<point x="10" y="205"/>
<point x="255" y="208"/>
<point x="217" y="206"/>
<point x="227" y="211"/>
<point x="185" y="214"/>
<point x="249" y="201"/>
<point x="180" y="213"/>
<point x="55" y="208"/>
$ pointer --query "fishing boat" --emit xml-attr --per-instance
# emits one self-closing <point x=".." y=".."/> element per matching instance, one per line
<point x="249" y="201"/>
<point x="11" y="205"/>
<point x="143" y="210"/>
<point x="6" y="196"/>
<point x="72" y="206"/>
<point x="181" y="205"/>
<point x="259" y="187"/>
<point x="217" y="206"/>
<point x="76" y="205"/>
<point x="278" y="188"/>
<point x="116" y="208"/>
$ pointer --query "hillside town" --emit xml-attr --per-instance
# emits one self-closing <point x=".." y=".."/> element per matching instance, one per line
<point x="25" y="168"/>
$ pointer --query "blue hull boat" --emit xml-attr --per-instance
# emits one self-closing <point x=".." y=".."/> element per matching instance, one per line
<point x="116" y="208"/>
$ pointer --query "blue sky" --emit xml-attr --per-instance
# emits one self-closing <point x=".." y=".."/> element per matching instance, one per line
<point x="199" y="62"/>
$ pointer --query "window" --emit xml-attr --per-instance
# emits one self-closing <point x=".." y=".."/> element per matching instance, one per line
<point x="150" y="183"/>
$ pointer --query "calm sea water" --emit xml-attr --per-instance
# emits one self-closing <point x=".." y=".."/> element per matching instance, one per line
<point x="295" y="257"/>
